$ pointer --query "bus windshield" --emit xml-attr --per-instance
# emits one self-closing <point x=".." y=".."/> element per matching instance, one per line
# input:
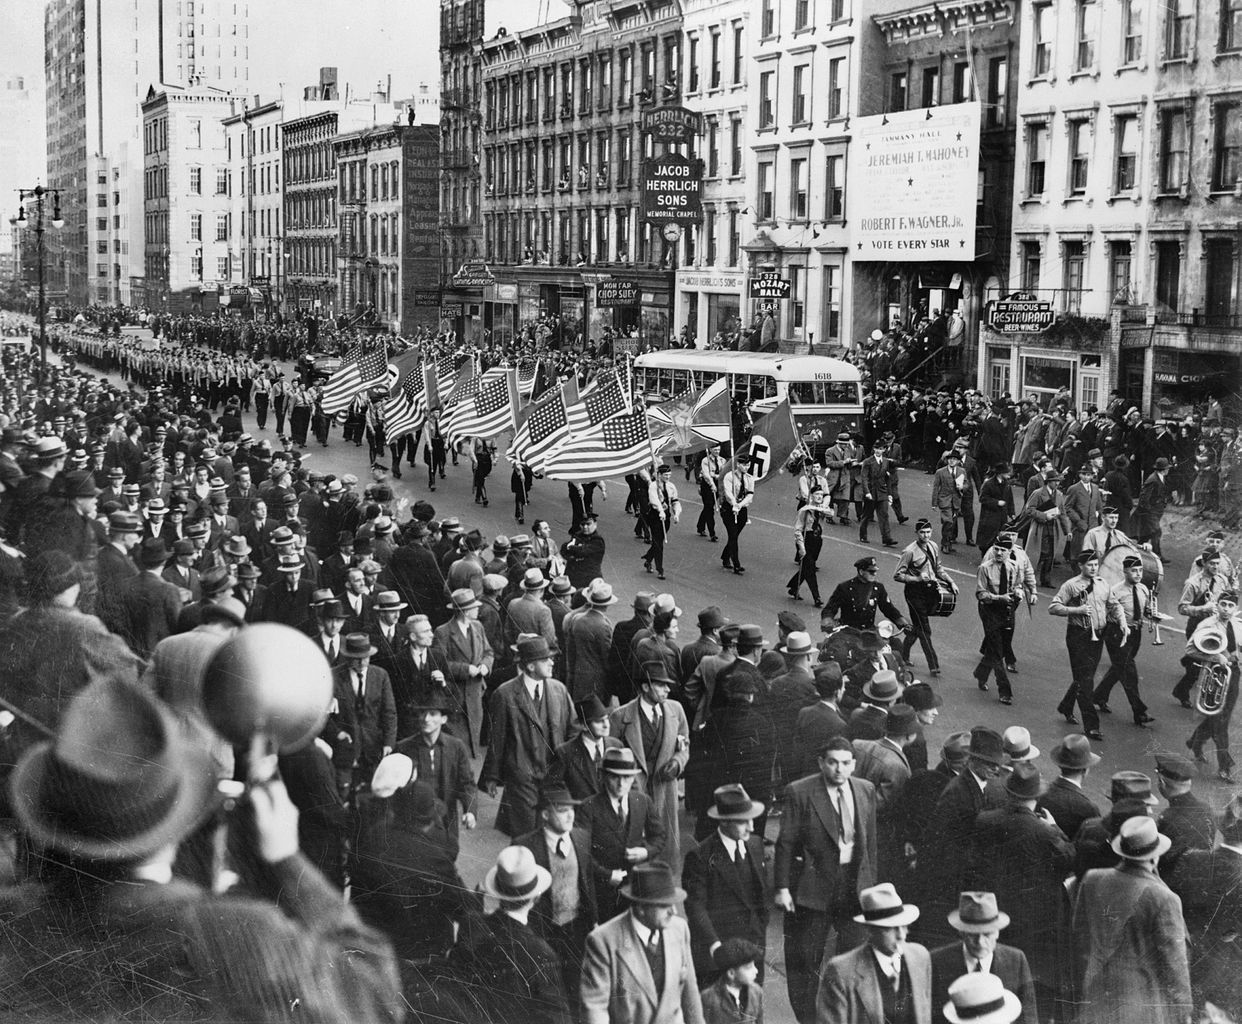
<point x="823" y="392"/>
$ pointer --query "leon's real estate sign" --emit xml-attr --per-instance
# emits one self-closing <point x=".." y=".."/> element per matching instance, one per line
<point x="916" y="176"/>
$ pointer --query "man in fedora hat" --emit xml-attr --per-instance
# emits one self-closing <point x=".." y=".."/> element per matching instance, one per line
<point x="565" y="914"/>
<point x="1153" y="498"/>
<point x="886" y="979"/>
<point x="470" y="657"/>
<point x="978" y="922"/>
<point x="150" y="605"/>
<point x="368" y="691"/>
<point x="1065" y="799"/>
<point x="638" y="965"/>
<point x="825" y="856"/>
<point x="153" y="943"/>
<point x="48" y="458"/>
<point x="578" y="763"/>
<point x="788" y="693"/>
<point x="356" y="601"/>
<point x="180" y="571"/>
<point x="817" y="723"/>
<point x="387" y="634"/>
<point x="530" y="716"/>
<point x="1048" y="524"/>
<point x="326" y="626"/>
<point x="726" y="889"/>
<point x="1130" y="936"/>
<point x="1188" y="821"/>
<point x="1021" y="855"/>
<point x="884" y="764"/>
<point x="114" y="567"/>
<point x="527" y="612"/>
<point x="288" y="597"/>
<point x="442" y="761"/>
<point x="625" y="829"/>
<point x="588" y="638"/>
<point x="880" y="693"/>
<point x="419" y="670"/>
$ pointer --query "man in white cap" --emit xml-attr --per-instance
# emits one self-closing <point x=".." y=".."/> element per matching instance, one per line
<point x="978" y="922"/>
<point x="886" y="980"/>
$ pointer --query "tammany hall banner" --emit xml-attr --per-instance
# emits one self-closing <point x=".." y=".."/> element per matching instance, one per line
<point x="919" y="175"/>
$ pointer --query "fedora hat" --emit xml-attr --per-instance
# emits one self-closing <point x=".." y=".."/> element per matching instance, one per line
<point x="320" y="596"/>
<point x="711" y="617"/>
<point x="531" y="648"/>
<point x="435" y="699"/>
<point x="156" y="507"/>
<point x="50" y="573"/>
<point x="515" y="877"/>
<point x="358" y="645"/>
<point x="48" y="449"/>
<point x="1132" y="786"/>
<point x="901" y="721"/>
<point x="1024" y="782"/>
<point x="591" y="709"/>
<point x="185" y="546"/>
<point x="463" y="599"/>
<point x="620" y="761"/>
<point x="987" y="745"/>
<point x="533" y="579"/>
<point x="1074" y="752"/>
<point x="124" y="522"/>
<point x="198" y="528"/>
<point x="332" y="609"/>
<point x="117" y="782"/>
<point x="561" y="587"/>
<point x="237" y="546"/>
<point x="652" y="883"/>
<point x="979" y="998"/>
<point x="215" y="580"/>
<point x="153" y="552"/>
<point x="870" y="641"/>
<point x="1017" y="743"/>
<point x="1138" y="839"/>
<point x="733" y="803"/>
<point x="750" y="635"/>
<point x="599" y="594"/>
<point x="797" y="643"/>
<point x="247" y="571"/>
<point x="388" y="601"/>
<point x="882" y="686"/>
<point x="557" y="796"/>
<point x="494" y="583"/>
<point x="882" y="907"/>
<point x="977" y="912"/>
<point x="81" y="485"/>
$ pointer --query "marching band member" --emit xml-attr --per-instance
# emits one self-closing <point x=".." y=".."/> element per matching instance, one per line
<point x="809" y="539"/>
<point x="1216" y="727"/>
<point x="1199" y="596"/>
<point x="1103" y="538"/>
<point x="921" y="572"/>
<point x="663" y="512"/>
<point x="1123" y="640"/>
<point x="1000" y="586"/>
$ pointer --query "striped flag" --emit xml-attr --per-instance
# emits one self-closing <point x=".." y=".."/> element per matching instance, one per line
<point x="546" y="426"/>
<point x="490" y="410"/>
<point x="363" y="368"/>
<point x="601" y="400"/>
<point x="406" y="408"/>
<point x="442" y="376"/>
<point x="527" y="377"/>
<point x="462" y="383"/>
<point x="692" y="421"/>
<point x="621" y="444"/>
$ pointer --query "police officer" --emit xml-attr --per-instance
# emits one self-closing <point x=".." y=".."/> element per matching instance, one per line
<point x="854" y="602"/>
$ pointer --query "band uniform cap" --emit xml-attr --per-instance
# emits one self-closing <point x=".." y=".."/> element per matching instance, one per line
<point x="357" y="645"/>
<point x="750" y="635"/>
<point x="388" y="601"/>
<point x="922" y="697"/>
<point x="599" y="594"/>
<point x="922" y="524"/>
<point x="734" y="952"/>
<point x="643" y="600"/>
<point x="882" y="907"/>
<point x="117" y="782"/>
<point x="882" y="686"/>
<point x="591" y="709"/>
<point x="1074" y="752"/>
<point x="979" y="998"/>
<point x="1175" y="767"/>
<point x="711" y="617"/>
<point x="531" y="648"/>
<point x="652" y="883"/>
<point x="561" y="587"/>
<point x="978" y="913"/>
<point x="664" y="467"/>
<point x="1086" y="555"/>
<point x="790" y="622"/>
<point x="868" y="562"/>
<point x="1130" y="785"/>
<point x="1216" y="535"/>
<point x="620" y="761"/>
<point x="1138" y="839"/>
<point x="533" y="579"/>
<point x="1132" y="562"/>
<point x="1018" y="746"/>
<point x="462" y="600"/>
<point x="124" y="522"/>
<point x="1024" y="781"/>
<point x="731" y="802"/>
<point x="1111" y="510"/>
<point x="987" y="745"/>
<point x="797" y="643"/>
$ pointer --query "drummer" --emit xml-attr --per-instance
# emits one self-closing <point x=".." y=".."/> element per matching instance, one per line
<point x="1102" y="539"/>
<point x="923" y="576"/>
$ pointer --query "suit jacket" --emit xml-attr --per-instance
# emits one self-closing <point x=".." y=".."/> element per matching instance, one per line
<point x="1008" y="963"/>
<point x="523" y="742"/>
<point x="884" y="767"/>
<point x="610" y="838"/>
<point x="186" y="579"/>
<point x="694" y="652"/>
<point x="463" y="650"/>
<point x="150" y="607"/>
<point x="1084" y="504"/>
<point x="220" y="532"/>
<point x="671" y="754"/>
<point x="850" y="989"/>
<point x="948" y="836"/>
<point x="718" y="1007"/>
<point x="788" y="694"/>
<point x="376" y="712"/>
<point x="1068" y="805"/>
<point x="617" y="984"/>
<point x="455" y="786"/>
<point x="523" y="974"/>
<point x="333" y="571"/>
<point x="808" y="861"/>
<point x="945" y="495"/>
<point x="290" y="607"/>
<point x="526" y="615"/>
<point x="356" y="622"/>
<point x="541" y="913"/>
<point x="112" y="571"/>
<point x="719" y="905"/>
<point x="573" y="767"/>
<point x="587" y="640"/>
<point x="621" y="683"/>
<point x="816" y="725"/>
<point x="877" y="477"/>
<point x="414" y="573"/>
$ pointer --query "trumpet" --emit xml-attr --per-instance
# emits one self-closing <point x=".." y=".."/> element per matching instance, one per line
<point x="1213" y="683"/>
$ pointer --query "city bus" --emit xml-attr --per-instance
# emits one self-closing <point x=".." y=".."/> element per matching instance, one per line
<point x="825" y="394"/>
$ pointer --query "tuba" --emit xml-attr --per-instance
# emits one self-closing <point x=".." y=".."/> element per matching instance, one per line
<point x="1213" y="682"/>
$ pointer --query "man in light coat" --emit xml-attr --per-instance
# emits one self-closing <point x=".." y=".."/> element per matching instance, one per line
<point x="465" y="646"/>
<point x="588" y="638"/>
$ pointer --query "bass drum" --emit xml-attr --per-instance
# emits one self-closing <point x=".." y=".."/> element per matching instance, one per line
<point x="1113" y="571"/>
<point x="946" y="602"/>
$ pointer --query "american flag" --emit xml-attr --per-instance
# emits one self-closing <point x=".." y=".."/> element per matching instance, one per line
<point x="527" y="377"/>
<point x="406" y="408"/>
<point x="545" y="426"/>
<point x="487" y="410"/>
<point x="618" y="445"/>
<point x="600" y="402"/>
<point x="445" y="376"/>
<point x="363" y="368"/>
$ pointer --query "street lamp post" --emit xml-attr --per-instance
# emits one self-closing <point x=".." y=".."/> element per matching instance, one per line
<point x="39" y="194"/>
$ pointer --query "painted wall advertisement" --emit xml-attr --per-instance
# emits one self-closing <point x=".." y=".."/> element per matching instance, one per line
<point x="916" y="175"/>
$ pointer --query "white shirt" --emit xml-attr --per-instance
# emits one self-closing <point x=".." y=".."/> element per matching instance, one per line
<point x="595" y="748"/>
<point x="652" y="712"/>
<point x="533" y="687"/>
<point x="735" y="847"/>
<point x="840" y="796"/>
<point x="890" y="965"/>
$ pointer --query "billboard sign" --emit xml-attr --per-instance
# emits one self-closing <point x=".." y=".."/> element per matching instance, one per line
<point x="672" y="124"/>
<point x="921" y="169"/>
<point x="474" y="274"/>
<point x="1021" y="313"/>
<point x="672" y="191"/>
<point x="769" y="286"/>
<point x="616" y="293"/>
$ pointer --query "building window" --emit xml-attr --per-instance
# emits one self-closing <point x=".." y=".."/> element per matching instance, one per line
<point x="1218" y="291"/>
<point x="692" y="63"/>
<point x="1126" y="134"/>
<point x="1132" y="31"/>
<point x="196" y="227"/>
<point x="1227" y="147"/>
<point x="1036" y="159"/>
<point x="767" y="19"/>
<point x="709" y="236"/>
<point x="194" y="131"/>
<point x="797" y="300"/>
<point x="798" y="188"/>
<point x="713" y="148"/>
<point x="196" y="181"/>
<point x="767" y="185"/>
<point x="1179" y="14"/>
<point x="222" y="181"/>
<point x="1031" y="264"/>
<point x="998" y="92"/>
<point x="222" y="268"/>
<point x="801" y="108"/>
<point x="739" y="53"/>
<point x="1168" y="275"/>
<point x="1230" y="25"/>
<point x="1119" y="273"/>
<point x="623" y="156"/>
<point x="767" y="99"/>
<point x="735" y="239"/>
<point x="836" y="86"/>
<point x="1173" y="146"/>
<point x="834" y="188"/>
<point x="838" y="10"/>
<point x="963" y="83"/>
<point x="625" y="75"/>
<point x="222" y="227"/>
<point x="1080" y="156"/>
<point x="713" y="76"/>
<point x="1074" y="268"/>
<point x="735" y="145"/>
<point x="1084" y="35"/>
<point x="623" y="234"/>
<point x="1044" y="26"/>
<point x="831" y="299"/>
<point x="196" y="264"/>
<point x="802" y="14"/>
<point x="931" y="87"/>
<point x="897" y="91"/>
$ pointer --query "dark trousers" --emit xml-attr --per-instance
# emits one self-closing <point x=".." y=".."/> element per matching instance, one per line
<point x="656" y="528"/>
<point x="279" y="407"/>
<point x="734" y="525"/>
<point x="1184" y="685"/>
<point x="997" y="622"/>
<point x="875" y="510"/>
<point x="807" y="935"/>
<point x="1216" y="728"/>
<point x="843" y="510"/>
<point x="919" y="601"/>
<point x="707" y="518"/>
<point x="808" y="568"/>
<point x="375" y="444"/>
<point x="1122" y="668"/>
<point x="395" y="448"/>
<point x="968" y="518"/>
<point x="299" y="423"/>
<point x="1084" y="657"/>
<point x="260" y="408"/>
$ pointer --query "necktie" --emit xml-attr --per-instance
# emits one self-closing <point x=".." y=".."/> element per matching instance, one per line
<point x="845" y="821"/>
<point x="560" y="848"/>
<point x="538" y="693"/>
<point x="599" y="756"/>
<point x="978" y="968"/>
<point x="739" y="852"/>
<point x="1138" y="611"/>
<point x="895" y="964"/>
<point x="1004" y="578"/>
<point x="1111" y="541"/>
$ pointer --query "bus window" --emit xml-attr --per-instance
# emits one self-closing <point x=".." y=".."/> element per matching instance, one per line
<point x="837" y="392"/>
<point x="681" y="381"/>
